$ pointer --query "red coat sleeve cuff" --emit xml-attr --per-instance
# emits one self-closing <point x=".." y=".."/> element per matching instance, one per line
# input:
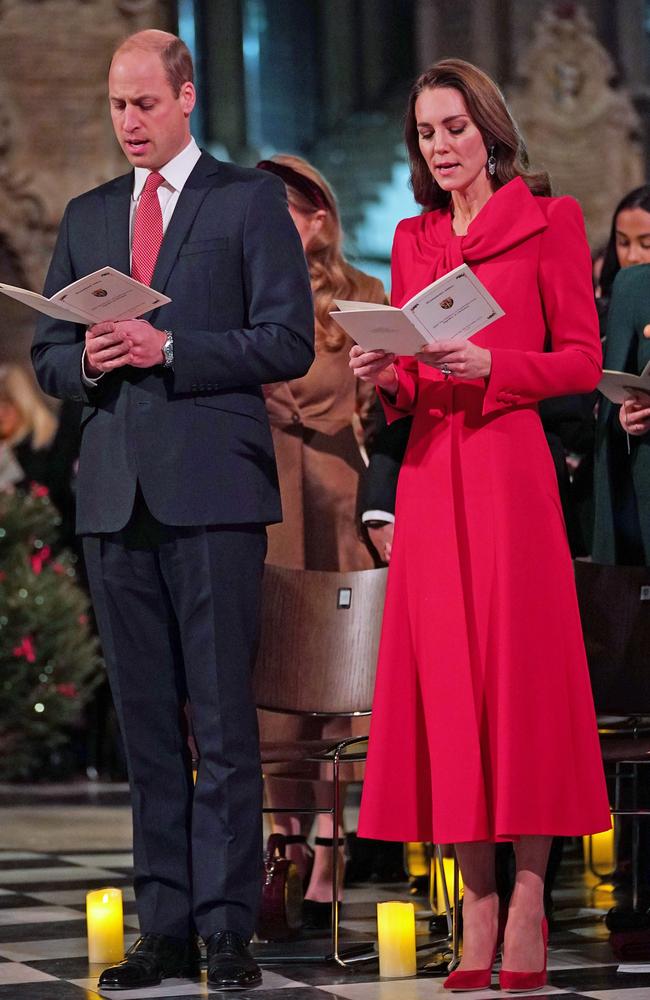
<point x="403" y="402"/>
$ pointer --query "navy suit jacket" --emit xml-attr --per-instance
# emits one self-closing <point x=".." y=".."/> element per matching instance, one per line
<point x="196" y="436"/>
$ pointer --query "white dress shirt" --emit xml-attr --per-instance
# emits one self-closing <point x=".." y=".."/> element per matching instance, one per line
<point x="175" y="174"/>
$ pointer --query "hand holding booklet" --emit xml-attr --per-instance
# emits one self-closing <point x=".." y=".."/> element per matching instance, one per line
<point x="619" y="386"/>
<point x="454" y="307"/>
<point x="106" y="294"/>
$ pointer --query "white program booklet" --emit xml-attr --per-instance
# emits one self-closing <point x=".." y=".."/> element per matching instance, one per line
<point x="106" y="294"/>
<point x="619" y="386"/>
<point x="454" y="307"/>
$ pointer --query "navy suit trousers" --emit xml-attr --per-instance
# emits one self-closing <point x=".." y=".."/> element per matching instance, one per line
<point x="178" y="614"/>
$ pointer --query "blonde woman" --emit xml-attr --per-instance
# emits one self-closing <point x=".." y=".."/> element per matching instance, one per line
<point x="317" y="423"/>
<point x="27" y="426"/>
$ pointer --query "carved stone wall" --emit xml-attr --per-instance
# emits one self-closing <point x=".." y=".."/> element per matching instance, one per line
<point x="576" y="124"/>
<point x="56" y="138"/>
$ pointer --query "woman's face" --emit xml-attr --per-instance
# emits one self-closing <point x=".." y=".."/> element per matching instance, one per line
<point x="450" y="142"/>
<point x="633" y="237"/>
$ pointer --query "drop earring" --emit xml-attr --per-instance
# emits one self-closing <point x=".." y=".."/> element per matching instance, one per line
<point x="492" y="162"/>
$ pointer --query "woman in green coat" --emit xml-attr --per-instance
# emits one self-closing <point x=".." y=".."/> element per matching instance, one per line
<point x="622" y="480"/>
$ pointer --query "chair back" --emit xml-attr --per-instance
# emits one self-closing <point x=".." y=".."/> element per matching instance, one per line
<point x="319" y="640"/>
<point x="615" y="610"/>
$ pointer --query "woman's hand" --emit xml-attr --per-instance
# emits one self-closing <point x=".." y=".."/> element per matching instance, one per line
<point x="461" y="359"/>
<point x="376" y="367"/>
<point x="382" y="538"/>
<point x="634" y="415"/>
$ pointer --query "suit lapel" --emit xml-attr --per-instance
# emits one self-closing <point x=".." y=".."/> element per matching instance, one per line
<point x="190" y="199"/>
<point x="117" y="203"/>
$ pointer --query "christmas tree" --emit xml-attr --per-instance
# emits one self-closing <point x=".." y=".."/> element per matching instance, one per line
<point x="49" y="656"/>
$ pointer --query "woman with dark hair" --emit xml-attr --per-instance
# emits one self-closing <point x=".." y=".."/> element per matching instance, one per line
<point x="622" y="471"/>
<point x="629" y="239"/>
<point x="621" y="474"/>
<point x="316" y="422"/>
<point x="483" y="727"/>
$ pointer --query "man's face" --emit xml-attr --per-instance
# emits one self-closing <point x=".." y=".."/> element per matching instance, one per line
<point x="152" y="125"/>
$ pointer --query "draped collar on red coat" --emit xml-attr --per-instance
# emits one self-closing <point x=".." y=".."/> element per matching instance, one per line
<point x="509" y="217"/>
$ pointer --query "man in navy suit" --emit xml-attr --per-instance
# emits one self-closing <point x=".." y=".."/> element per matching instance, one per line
<point x="176" y="483"/>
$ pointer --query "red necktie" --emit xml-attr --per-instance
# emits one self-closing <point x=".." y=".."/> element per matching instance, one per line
<point x="147" y="231"/>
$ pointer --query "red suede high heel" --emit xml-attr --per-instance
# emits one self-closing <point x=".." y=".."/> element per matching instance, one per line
<point x="461" y="981"/>
<point x="526" y="982"/>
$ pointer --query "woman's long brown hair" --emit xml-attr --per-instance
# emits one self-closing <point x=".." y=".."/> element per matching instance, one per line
<point x="331" y="275"/>
<point x="489" y="112"/>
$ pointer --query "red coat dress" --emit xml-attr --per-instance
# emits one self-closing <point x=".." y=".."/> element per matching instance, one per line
<point x="483" y="725"/>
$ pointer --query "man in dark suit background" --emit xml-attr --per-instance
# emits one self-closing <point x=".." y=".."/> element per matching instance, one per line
<point x="378" y="485"/>
<point x="176" y="484"/>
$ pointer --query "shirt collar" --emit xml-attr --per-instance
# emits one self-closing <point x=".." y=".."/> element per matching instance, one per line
<point x="175" y="173"/>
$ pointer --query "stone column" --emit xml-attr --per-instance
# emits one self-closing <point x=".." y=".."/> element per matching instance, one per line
<point x="428" y="33"/>
<point x="633" y="45"/>
<point x="489" y="22"/>
<point x="223" y="69"/>
<point x="340" y="60"/>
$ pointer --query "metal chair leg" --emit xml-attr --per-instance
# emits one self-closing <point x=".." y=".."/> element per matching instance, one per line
<point x="455" y="934"/>
<point x="445" y="889"/>
<point x="363" y="952"/>
<point x="335" y="861"/>
<point x="636" y="833"/>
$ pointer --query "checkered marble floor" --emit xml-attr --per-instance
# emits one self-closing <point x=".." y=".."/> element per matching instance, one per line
<point x="43" y="946"/>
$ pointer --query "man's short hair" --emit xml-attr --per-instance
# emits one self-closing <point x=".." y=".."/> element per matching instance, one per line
<point x="177" y="60"/>
<point x="174" y="54"/>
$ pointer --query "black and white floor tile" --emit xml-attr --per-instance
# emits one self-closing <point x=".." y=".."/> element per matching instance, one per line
<point x="43" y="953"/>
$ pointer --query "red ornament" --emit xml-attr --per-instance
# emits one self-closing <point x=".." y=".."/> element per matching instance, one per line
<point x="26" y="649"/>
<point x="67" y="690"/>
<point x="39" y="558"/>
<point x="38" y="490"/>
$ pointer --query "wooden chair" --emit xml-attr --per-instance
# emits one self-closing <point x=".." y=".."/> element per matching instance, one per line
<point x="317" y="657"/>
<point x="615" y="610"/>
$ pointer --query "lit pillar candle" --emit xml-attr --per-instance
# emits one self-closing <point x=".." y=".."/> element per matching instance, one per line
<point x="417" y="861"/>
<point x="602" y="851"/>
<point x="105" y="923"/>
<point x="396" y="935"/>
<point x="448" y="866"/>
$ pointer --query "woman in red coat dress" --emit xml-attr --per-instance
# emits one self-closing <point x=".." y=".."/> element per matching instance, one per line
<point x="483" y="725"/>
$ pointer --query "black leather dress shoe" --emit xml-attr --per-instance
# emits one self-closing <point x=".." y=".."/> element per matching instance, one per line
<point x="230" y="964"/>
<point x="151" y="959"/>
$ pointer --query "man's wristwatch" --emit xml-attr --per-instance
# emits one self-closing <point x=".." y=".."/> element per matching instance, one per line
<point x="168" y="349"/>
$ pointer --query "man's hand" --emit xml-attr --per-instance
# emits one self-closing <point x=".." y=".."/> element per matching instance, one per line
<point x="634" y="415"/>
<point x="145" y="342"/>
<point x="106" y="349"/>
<point x="462" y="360"/>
